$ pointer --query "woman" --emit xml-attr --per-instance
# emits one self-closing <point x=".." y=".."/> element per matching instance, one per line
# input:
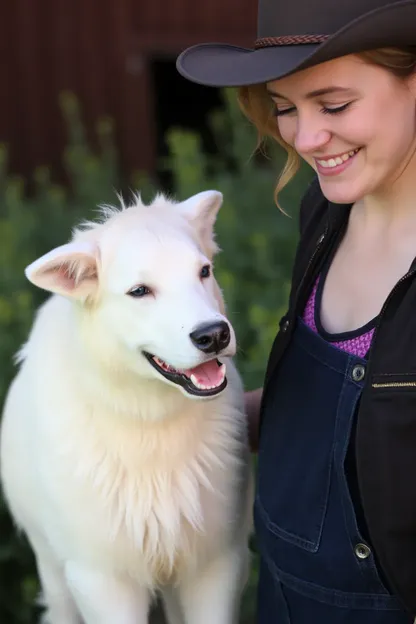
<point x="335" y="510"/>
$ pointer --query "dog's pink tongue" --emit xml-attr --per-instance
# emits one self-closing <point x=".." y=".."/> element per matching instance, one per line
<point x="207" y="374"/>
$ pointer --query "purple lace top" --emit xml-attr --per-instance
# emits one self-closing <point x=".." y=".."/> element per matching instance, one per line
<point x="357" y="342"/>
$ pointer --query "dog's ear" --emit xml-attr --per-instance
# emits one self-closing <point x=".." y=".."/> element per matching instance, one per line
<point x="69" y="270"/>
<point x="202" y="210"/>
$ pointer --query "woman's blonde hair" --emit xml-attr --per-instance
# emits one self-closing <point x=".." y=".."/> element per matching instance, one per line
<point x="258" y="107"/>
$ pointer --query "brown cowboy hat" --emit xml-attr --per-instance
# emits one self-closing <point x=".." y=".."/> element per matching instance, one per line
<point x="298" y="34"/>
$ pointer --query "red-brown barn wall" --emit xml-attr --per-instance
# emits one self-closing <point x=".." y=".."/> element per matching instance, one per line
<point x="100" y="50"/>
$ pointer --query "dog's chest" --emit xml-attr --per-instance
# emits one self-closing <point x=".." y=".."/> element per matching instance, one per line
<point x="153" y="502"/>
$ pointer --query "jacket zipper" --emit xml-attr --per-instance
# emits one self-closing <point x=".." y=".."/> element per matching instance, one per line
<point x="318" y="245"/>
<point x="397" y="384"/>
<point x="311" y="260"/>
<point x="376" y="328"/>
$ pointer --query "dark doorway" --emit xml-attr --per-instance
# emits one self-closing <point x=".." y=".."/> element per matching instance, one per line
<point x="180" y="103"/>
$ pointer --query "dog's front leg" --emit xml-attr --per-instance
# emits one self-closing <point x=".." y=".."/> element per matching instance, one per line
<point x="213" y="595"/>
<point x="103" y="599"/>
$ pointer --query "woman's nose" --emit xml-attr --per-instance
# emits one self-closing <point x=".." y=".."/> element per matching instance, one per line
<point x="311" y="136"/>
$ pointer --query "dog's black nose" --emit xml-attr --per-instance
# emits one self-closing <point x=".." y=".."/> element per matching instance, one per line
<point x="211" y="337"/>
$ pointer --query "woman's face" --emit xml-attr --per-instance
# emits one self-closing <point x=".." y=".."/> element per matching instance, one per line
<point x="353" y="122"/>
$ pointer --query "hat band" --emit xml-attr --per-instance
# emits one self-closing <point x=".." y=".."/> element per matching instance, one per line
<point x="266" y="42"/>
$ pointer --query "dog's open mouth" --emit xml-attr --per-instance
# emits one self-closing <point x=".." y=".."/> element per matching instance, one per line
<point x="207" y="379"/>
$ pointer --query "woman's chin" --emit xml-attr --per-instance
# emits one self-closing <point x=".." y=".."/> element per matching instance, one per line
<point x="340" y="193"/>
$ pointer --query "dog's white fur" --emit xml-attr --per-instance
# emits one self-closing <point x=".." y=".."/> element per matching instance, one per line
<point x="123" y="483"/>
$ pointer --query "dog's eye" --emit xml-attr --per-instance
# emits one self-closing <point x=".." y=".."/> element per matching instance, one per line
<point x="139" y="291"/>
<point x="205" y="271"/>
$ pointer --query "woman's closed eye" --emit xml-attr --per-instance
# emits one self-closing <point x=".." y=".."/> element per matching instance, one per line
<point x="280" y="112"/>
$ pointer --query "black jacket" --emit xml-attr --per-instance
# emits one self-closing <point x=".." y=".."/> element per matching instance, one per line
<point x="385" y="442"/>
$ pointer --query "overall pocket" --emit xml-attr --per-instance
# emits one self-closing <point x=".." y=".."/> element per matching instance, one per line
<point x="296" y="447"/>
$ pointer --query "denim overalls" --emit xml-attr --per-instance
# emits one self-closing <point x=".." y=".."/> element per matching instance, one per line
<point x="316" y="566"/>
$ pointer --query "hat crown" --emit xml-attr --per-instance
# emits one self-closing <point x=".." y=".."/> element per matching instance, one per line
<point x="311" y="17"/>
<point x="297" y="34"/>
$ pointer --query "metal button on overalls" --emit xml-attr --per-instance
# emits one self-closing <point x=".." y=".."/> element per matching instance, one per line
<point x="358" y="372"/>
<point x="362" y="551"/>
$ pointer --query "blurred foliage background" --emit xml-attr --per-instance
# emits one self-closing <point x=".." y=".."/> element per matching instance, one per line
<point x="253" y="269"/>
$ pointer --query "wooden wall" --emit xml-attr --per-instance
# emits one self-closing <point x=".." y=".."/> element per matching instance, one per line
<point x="101" y="50"/>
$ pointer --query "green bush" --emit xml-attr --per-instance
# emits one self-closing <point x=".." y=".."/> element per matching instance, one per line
<point x="253" y="269"/>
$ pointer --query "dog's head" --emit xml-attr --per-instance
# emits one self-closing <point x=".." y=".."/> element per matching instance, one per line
<point x="143" y="284"/>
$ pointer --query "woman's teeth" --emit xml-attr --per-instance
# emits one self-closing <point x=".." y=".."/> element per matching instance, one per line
<point x="339" y="160"/>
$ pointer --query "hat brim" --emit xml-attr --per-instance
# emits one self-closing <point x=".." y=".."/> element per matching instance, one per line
<point x="223" y="65"/>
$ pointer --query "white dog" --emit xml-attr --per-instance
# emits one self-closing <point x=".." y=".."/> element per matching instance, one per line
<point x="124" y="453"/>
